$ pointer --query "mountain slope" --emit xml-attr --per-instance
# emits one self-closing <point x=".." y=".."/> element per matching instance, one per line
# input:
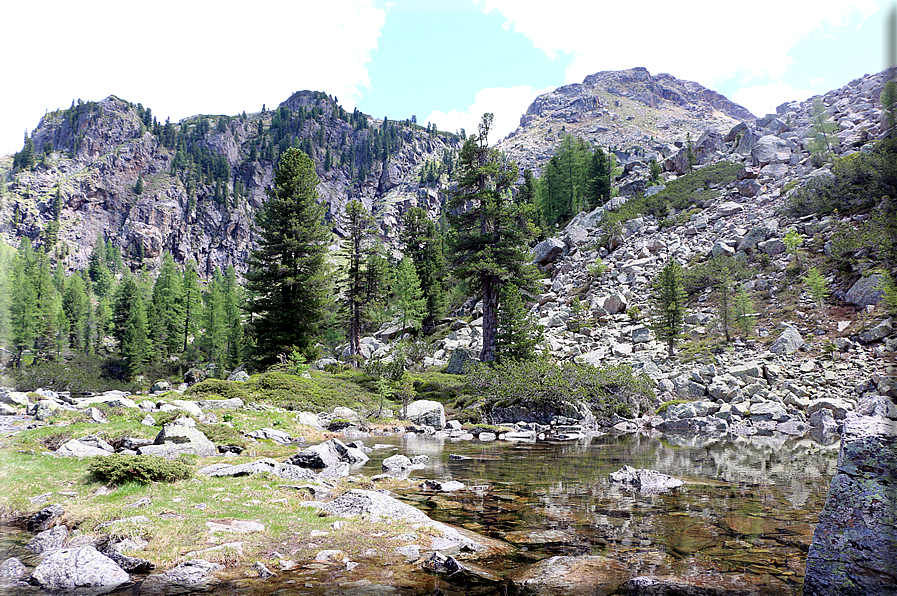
<point x="201" y="179"/>
<point x="631" y="110"/>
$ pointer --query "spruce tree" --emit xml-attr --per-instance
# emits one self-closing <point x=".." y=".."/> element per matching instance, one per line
<point x="668" y="297"/>
<point x="287" y="275"/>
<point x="490" y="231"/>
<point x="214" y="335"/>
<point x="723" y="287"/>
<point x="135" y="346"/>
<point x="233" y="319"/>
<point x="422" y="242"/>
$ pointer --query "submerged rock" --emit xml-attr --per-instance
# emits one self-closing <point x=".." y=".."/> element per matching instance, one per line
<point x="571" y="576"/>
<point x="645" y="481"/>
<point x="189" y="577"/>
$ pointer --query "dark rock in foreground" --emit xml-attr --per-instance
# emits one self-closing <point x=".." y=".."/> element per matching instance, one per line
<point x="854" y="549"/>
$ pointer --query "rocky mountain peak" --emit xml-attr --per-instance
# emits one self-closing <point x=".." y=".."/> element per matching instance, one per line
<point x="629" y="110"/>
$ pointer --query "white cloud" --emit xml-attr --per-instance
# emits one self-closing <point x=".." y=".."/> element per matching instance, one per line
<point x="181" y="58"/>
<point x="763" y="99"/>
<point x="506" y="103"/>
<point x="703" y="40"/>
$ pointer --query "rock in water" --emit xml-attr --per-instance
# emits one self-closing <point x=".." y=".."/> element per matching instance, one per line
<point x="427" y="413"/>
<point x="854" y="549"/>
<point x="645" y="481"/>
<point x="79" y="568"/>
<point x="189" y="577"/>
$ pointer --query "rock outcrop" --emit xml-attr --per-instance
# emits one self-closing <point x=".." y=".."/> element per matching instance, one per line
<point x="854" y="548"/>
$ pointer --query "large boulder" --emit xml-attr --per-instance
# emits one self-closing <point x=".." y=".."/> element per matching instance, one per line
<point x="459" y="361"/>
<point x="83" y="568"/>
<point x="180" y="437"/>
<point x="548" y="251"/>
<point x="88" y="446"/>
<point x="327" y="454"/>
<point x="426" y="413"/>
<point x="571" y="576"/>
<point x="866" y="291"/>
<point x="788" y="342"/>
<point x="853" y="546"/>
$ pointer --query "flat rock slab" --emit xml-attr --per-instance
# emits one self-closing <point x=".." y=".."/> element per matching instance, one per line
<point x="235" y="526"/>
<point x="571" y="576"/>
<point x="189" y="577"/>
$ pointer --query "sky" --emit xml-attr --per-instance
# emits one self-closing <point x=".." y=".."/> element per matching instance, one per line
<point x="443" y="61"/>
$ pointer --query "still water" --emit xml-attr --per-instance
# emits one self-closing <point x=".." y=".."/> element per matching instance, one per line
<point x="748" y="507"/>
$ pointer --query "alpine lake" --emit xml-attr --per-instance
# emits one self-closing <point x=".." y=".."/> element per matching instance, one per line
<point x="744" y="517"/>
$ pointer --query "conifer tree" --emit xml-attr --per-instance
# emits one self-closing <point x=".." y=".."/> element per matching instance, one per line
<point x="135" y="346"/>
<point x="357" y="247"/>
<point x="233" y="318"/>
<point x="744" y="311"/>
<point x="668" y="297"/>
<point x="286" y="275"/>
<point x="422" y="242"/>
<point x="24" y="320"/>
<point x="166" y="311"/>
<point x="191" y="302"/>
<point x="214" y="335"/>
<point x="7" y="260"/>
<point x="599" y="179"/>
<point x="490" y="231"/>
<point x="411" y="304"/>
<point x="76" y="306"/>
<point x="518" y="334"/>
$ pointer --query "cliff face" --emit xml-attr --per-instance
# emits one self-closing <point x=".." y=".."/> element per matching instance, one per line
<point x="203" y="178"/>
<point x="631" y="110"/>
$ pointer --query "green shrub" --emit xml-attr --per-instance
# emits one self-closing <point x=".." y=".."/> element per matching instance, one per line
<point x="218" y="389"/>
<point x="118" y="469"/>
<point x="704" y="274"/>
<point x="608" y="390"/>
<point x="81" y="374"/>
<point x="222" y="434"/>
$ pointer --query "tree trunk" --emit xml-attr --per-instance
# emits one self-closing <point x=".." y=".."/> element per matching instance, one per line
<point x="490" y="303"/>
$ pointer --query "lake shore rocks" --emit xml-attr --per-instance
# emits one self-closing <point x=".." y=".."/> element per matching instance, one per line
<point x="855" y="543"/>
<point x="82" y="568"/>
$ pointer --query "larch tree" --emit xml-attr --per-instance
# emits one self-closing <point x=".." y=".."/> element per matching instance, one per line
<point x="287" y="274"/>
<point x="668" y="299"/>
<point x="490" y="230"/>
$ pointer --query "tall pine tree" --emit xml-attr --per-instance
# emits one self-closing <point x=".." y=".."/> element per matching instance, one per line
<point x="287" y="275"/>
<point x="490" y="231"/>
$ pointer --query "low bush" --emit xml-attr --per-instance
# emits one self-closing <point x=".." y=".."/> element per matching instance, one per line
<point x="608" y="390"/>
<point x="81" y="374"/>
<point x="118" y="469"/>
<point x="218" y="389"/>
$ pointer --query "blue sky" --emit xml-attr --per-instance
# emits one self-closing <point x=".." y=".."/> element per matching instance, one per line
<point x="445" y="61"/>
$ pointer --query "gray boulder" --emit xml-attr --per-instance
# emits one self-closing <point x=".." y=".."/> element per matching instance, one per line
<point x="757" y="235"/>
<point x="12" y="570"/>
<point x="272" y="434"/>
<point x="326" y="455"/>
<point x="788" y="342"/>
<point x="83" y="568"/>
<point x="459" y="361"/>
<point x="48" y="540"/>
<point x="189" y="577"/>
<point x="853" y="546"/>
<point x="644" y="481"/>
<point x="866" y="291"/>
<point x="180" y="437"/>
<point x="43" y="519"/>
<point x="548" y="251"/>
<point x="426" y="413"/>
<point x="88" y="446"/>
<point x="880" y="331"/>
